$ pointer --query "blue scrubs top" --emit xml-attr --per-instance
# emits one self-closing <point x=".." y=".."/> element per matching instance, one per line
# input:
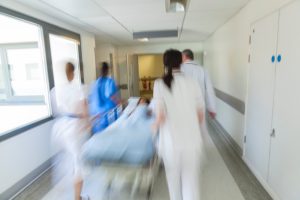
<point x="100" y="101"/>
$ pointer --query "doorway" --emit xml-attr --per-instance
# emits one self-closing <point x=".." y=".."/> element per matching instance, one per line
<point x="150" y="67"/>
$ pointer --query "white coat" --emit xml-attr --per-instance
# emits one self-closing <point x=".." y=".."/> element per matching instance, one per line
<point x="69" y="132"/>
<point x="180" y="141"/>
<point x="199" y="74"/>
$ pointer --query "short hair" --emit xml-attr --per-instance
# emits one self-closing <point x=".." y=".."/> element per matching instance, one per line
<point x="70" y="67"/>
<point x="188" y="53"/>
<point x="104" y="69"/>
<point x="147" y="101"/>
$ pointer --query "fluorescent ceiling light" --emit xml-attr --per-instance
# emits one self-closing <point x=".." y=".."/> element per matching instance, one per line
<point x="143" y="39"/>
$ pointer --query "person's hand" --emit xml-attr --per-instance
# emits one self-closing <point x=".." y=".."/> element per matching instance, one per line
<point x="154" y="128"/>
<point x="212" y="115"/>
<point x="95" y="117"/>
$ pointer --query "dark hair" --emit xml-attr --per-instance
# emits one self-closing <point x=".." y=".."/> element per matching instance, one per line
<point x="104" y="69"/>
<point x="172" y="60"/>
<point x="147" y="101"/>
<point x="70" y="67"/>
<point x="188" y="53"/>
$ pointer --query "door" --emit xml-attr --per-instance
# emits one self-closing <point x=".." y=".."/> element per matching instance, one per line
<point x="285" y="145"/>
<point x="133" y="75"/>
<point x="260" y="94"/>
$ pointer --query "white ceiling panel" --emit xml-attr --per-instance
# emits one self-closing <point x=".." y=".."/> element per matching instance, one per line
<point x="110" y="26"/>
<point x="219" y="5"/>
<point x="115" y="20"/>
<point x="78" y="8"/>
<point x="189" y="35"/>
<point x="65" y="17"/>
<point x="142" y="15"/>
<point x="206" y="21"/>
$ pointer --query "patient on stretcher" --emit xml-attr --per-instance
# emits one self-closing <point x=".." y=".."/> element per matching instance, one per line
<point x="127" y="141"/>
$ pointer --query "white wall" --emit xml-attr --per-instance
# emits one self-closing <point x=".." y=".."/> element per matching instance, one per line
<point x="226" y="57"/>
<point x="23" y="153"/>
<point x="102" y="52"/>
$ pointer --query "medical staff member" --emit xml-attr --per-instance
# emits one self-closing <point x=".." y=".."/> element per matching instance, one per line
<point x="192" y="69"/>
<point x="72" y="126"/>
<point x="103" y="98"/>
<point x="180" y="110"/>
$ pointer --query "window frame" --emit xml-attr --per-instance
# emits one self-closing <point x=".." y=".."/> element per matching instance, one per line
<point x="47" y="29"/>
<point x="12" y="99"/>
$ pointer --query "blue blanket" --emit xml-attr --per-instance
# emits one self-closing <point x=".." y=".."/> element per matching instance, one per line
<point x="129" y="141"/>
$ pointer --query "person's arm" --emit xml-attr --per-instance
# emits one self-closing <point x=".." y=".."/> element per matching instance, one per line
<point x="210" y="95"/>
<point x="158" y="108"/>
<point x="199" y="101"/>
<point x="201" y="115"/>
<point x="114" y="96"/>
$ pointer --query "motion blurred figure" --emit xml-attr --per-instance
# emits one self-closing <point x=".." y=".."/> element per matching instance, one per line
<point x="179" y="111"/>
<point x="192" y="69"/>
<point x="104" y="97"/>
<point x="71" y="128"/>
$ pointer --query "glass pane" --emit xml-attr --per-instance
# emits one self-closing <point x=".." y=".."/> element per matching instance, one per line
<point x="26" y="72"/>
<point x="24" y="92"/>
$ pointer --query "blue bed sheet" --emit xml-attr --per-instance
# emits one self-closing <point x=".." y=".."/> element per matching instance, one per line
<point x="129" y="141"/>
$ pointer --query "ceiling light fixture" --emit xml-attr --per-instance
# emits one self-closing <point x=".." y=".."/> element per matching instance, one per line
<point x="176" y="5"/>
<point x="143" y="39"/>
<point x="155" y="34"/>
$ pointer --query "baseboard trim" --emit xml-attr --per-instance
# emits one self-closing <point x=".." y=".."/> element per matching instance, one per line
<point x="22" y="184"/>
<point x="261" y="180"/>
<point x="218" y="127"/>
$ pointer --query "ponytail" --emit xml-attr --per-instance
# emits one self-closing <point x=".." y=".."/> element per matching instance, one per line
<point x="168" y="78"/>
<point x="172" y="60"/>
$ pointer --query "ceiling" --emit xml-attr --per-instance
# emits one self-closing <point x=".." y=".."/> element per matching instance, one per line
<point x="114" y="21"/>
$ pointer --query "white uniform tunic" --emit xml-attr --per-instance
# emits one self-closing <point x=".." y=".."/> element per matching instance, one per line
<point x="199" y="74"/>
<point x="180" y="140"/>
<point x="69" y="130"/>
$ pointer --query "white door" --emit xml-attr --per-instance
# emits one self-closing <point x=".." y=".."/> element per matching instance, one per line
<point x="285" y="146"/>
<point x="260" y="94"/>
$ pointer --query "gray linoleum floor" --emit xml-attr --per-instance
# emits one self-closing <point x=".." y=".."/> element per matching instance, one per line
<point x="224" y="177"/>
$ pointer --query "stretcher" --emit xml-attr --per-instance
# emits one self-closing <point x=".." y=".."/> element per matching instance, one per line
<point x="140" y="175"/>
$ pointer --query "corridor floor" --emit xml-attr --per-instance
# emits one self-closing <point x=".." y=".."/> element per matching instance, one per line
<point x="224" y="177"/>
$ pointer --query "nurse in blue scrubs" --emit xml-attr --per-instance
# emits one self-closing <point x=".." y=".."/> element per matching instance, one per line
<point x="103" y="98"/>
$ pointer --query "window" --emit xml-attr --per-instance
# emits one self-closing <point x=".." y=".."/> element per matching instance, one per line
<point x="63" y="50"/>
<point x="24" y="91"/>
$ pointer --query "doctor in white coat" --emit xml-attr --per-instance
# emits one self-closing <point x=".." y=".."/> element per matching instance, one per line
<point x="192" y="69"/>
<point x="180" y="110"/>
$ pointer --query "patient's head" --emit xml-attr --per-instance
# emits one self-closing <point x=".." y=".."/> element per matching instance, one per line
<point x="143" y="101"/>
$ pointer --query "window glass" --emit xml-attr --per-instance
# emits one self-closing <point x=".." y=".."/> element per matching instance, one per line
<point x="24" y="92"/>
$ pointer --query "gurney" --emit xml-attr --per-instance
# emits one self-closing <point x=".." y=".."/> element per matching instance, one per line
<point x="127" y="146"/>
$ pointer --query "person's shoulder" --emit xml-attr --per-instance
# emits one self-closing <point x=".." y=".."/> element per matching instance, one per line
<point x="192" y="65"/>
<point x="158" y="81"/>
<point x="187" y="79"/>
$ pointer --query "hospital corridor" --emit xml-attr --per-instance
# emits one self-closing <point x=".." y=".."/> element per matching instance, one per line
<point x="149" y="99"/>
